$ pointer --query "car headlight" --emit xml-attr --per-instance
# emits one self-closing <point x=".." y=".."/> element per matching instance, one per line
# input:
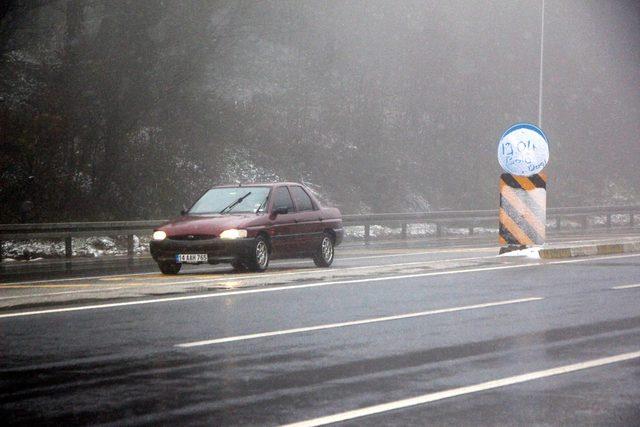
<point x="159" y="235"/>
<point x="233" y="234"/>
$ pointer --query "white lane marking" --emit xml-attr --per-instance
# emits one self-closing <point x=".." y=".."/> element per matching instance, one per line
<point x="454" y="392"/>
<point x="290" y="287"/>
<point x="284" y="263"/>
<point x="626" y="286"/>
<point x="46" y="294"/>
<point x="354" y="323"/>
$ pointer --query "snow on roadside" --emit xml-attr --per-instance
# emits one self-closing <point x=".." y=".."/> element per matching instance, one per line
<point x="83" y="247"/>
<point x="413" y="230"/>
<point x="533" y="253"/>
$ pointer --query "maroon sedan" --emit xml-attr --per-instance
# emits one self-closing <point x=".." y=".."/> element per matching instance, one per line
<point x="247" y="225"/>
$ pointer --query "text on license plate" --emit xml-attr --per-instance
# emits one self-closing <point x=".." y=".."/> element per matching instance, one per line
<point x="192" y="258"/>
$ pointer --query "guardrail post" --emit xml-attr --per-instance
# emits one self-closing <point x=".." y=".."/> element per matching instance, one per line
<point x="439" y="230"/>
<point x="367" y="234"/>
<point x="68" y="252"/>
<point x="558" y="223"/>
<point x="471" y="230"/>
<point x="2" y="253"/>
<point x="130" y="247"/>
<point x="631" y="224"/>
<point x="608" y="221"/>
<point x="585" y="222"/>
<point x="404" y="230"/>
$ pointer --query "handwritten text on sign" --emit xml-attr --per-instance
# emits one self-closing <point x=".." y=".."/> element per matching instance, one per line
<point x="523" y="150"/>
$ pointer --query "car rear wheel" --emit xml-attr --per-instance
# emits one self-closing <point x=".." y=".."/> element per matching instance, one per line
<point x="260" y="258"/>
<point x="169" y="267"/>
<point x="324" y="254"/>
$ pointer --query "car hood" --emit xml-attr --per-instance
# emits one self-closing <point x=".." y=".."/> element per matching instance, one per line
<point x="201" y="225"/>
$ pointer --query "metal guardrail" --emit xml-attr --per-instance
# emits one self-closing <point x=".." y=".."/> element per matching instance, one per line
<point x="442" y="219"/>
<point x="472" y="219"/>
<point x="69" y="230"/>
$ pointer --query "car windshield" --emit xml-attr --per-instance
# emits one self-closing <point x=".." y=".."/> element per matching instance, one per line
<point x="218" y="200"/>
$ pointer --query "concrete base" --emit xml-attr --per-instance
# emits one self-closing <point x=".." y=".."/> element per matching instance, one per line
<point x="589" y="250"/>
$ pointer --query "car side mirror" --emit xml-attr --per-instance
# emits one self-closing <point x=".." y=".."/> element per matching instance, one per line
<point x="280" y="211"/>
<point x="184" y="210"/>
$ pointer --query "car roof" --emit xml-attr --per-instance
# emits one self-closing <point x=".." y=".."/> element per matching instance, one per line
<point x="257" y="184"/>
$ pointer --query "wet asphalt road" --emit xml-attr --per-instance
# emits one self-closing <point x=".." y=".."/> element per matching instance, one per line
<point x="466" y="323"/>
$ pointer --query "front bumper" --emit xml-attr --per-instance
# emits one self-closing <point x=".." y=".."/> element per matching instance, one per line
<point x="217" y="250"/>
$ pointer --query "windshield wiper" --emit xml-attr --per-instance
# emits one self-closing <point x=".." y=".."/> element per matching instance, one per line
<point x="236" y="203"/>
<point x="262" y="205"/>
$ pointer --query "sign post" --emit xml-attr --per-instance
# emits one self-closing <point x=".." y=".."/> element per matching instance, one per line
<point x="523" y="152"/>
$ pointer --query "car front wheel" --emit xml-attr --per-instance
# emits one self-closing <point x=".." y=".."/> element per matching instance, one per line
<point x="169" y="267"/>
<point x="324" y="254"/>
<point x="260" y="258"/>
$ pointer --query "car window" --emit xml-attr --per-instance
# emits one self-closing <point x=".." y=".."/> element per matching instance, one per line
<point x="282" y="199"/>
<point x="302" y="199"/>
<point x="227" y="199"/>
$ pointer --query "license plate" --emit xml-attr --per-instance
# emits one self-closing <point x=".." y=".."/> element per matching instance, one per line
<point x="191" y="258"/>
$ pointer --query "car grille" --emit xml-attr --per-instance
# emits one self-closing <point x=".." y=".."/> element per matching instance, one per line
<point x="193" y="237"/>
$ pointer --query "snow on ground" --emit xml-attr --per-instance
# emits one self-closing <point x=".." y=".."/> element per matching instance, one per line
<point x="618" y="219"/>
<point x="528" y="252"/>
<point x="413" y="230"/>
<point x="592" y="221"/>
<point x="83" y="247"/>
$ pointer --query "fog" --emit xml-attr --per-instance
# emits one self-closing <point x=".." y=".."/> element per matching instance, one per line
<point x="130" y="109"/>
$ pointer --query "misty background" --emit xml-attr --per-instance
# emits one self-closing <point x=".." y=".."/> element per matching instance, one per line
<point x="129" y="109"/>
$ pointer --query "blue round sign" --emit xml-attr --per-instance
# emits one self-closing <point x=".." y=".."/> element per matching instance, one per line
<point x="523" y="150"/>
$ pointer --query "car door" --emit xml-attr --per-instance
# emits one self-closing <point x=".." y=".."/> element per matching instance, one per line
<point x="282" y="226"/>
<point x="308" y="228"/>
